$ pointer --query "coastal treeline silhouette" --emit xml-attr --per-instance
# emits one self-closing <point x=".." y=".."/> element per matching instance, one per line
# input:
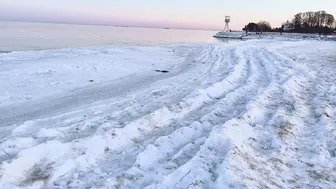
<point x="306" y="22"/>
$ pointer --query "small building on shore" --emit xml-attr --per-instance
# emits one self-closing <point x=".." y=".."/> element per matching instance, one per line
<point x="288" y="26"/>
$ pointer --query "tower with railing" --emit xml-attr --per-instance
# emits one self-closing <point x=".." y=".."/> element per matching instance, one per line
<point x="227" y="24"/>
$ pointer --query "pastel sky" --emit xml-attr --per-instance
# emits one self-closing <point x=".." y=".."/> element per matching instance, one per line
<point x="192" y="14"/>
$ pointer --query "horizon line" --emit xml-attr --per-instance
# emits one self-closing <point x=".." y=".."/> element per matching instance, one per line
<point x="110" y="25"/>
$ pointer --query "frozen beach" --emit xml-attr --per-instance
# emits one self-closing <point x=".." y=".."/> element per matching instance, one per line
<point x="249" y="114"/>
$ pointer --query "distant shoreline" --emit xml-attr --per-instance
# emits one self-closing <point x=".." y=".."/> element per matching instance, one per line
<point x="107" y="25"/>
<point x="4" y="52"/>
<point x="274" y="35"/>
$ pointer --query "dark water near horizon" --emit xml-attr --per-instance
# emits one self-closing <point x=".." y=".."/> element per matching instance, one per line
<point x="18" y="36"/>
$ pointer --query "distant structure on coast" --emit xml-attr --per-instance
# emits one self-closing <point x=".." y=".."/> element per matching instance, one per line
<point x="288" y="26"/>
<point x="227" y="24"/>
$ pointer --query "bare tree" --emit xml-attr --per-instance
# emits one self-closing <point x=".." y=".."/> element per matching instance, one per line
<point x="330" y="20"/>
<point x="264" y="26"/>
<point x="313" y="21"/>
<point x="297" y="20"/>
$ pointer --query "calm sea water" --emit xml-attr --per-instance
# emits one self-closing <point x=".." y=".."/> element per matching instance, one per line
<point x="16" y="36"/>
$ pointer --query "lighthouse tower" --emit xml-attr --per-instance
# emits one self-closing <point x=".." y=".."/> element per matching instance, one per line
<point x="227" y="25"/>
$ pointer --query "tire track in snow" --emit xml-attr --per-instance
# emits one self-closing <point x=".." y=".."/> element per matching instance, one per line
<point x="158" y="134"/>
<point x="315" y="160"/>
<point x="269" y="112"/>
<point x="231" y="131"/>
<point x="208" y="165"/>
<point x="269" y="91"/>
<point x="127" y="112"/>
<point x="79" y="150"/>
<point x="233" y="105"/>
<point x="274" y="133"/>
<point x="259" y="112"/>
<point x="190" y="100"/>
<point x="82" y="125"/>
<point x="200" y="130"/>
<point x="124" y="115"/>
<point x="245" y="80"/>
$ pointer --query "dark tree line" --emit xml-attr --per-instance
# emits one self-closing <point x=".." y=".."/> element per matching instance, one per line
<point x="313" y="22"/>
<point x="261" y="26"/>
<point x="307" y="22"/>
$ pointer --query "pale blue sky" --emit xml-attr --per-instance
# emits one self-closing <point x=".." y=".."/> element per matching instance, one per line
<point x="207" y="14"/>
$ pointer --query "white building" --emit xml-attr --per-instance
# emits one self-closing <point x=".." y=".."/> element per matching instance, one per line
<point x="288" y="26"/>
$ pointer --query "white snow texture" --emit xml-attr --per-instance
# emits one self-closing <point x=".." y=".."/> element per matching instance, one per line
<point x="250" y="114"/>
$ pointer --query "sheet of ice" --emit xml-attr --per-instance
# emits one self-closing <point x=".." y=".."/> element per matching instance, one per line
<point x="253" y="114"/>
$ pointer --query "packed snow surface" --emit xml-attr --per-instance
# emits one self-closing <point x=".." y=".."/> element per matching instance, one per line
<point x="252" y="114"/>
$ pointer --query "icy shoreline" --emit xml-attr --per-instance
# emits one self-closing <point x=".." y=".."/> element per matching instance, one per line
<point x="274" y="36"/>
<point x="250" y="114"/>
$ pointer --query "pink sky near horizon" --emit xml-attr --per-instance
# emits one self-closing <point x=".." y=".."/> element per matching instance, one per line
<point x="186" y="14"/>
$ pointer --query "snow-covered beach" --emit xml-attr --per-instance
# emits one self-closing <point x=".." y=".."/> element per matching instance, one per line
<point x="250" y="114"/>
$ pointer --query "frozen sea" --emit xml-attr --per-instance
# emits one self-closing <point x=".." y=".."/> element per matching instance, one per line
<point x="19" y="36"/>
